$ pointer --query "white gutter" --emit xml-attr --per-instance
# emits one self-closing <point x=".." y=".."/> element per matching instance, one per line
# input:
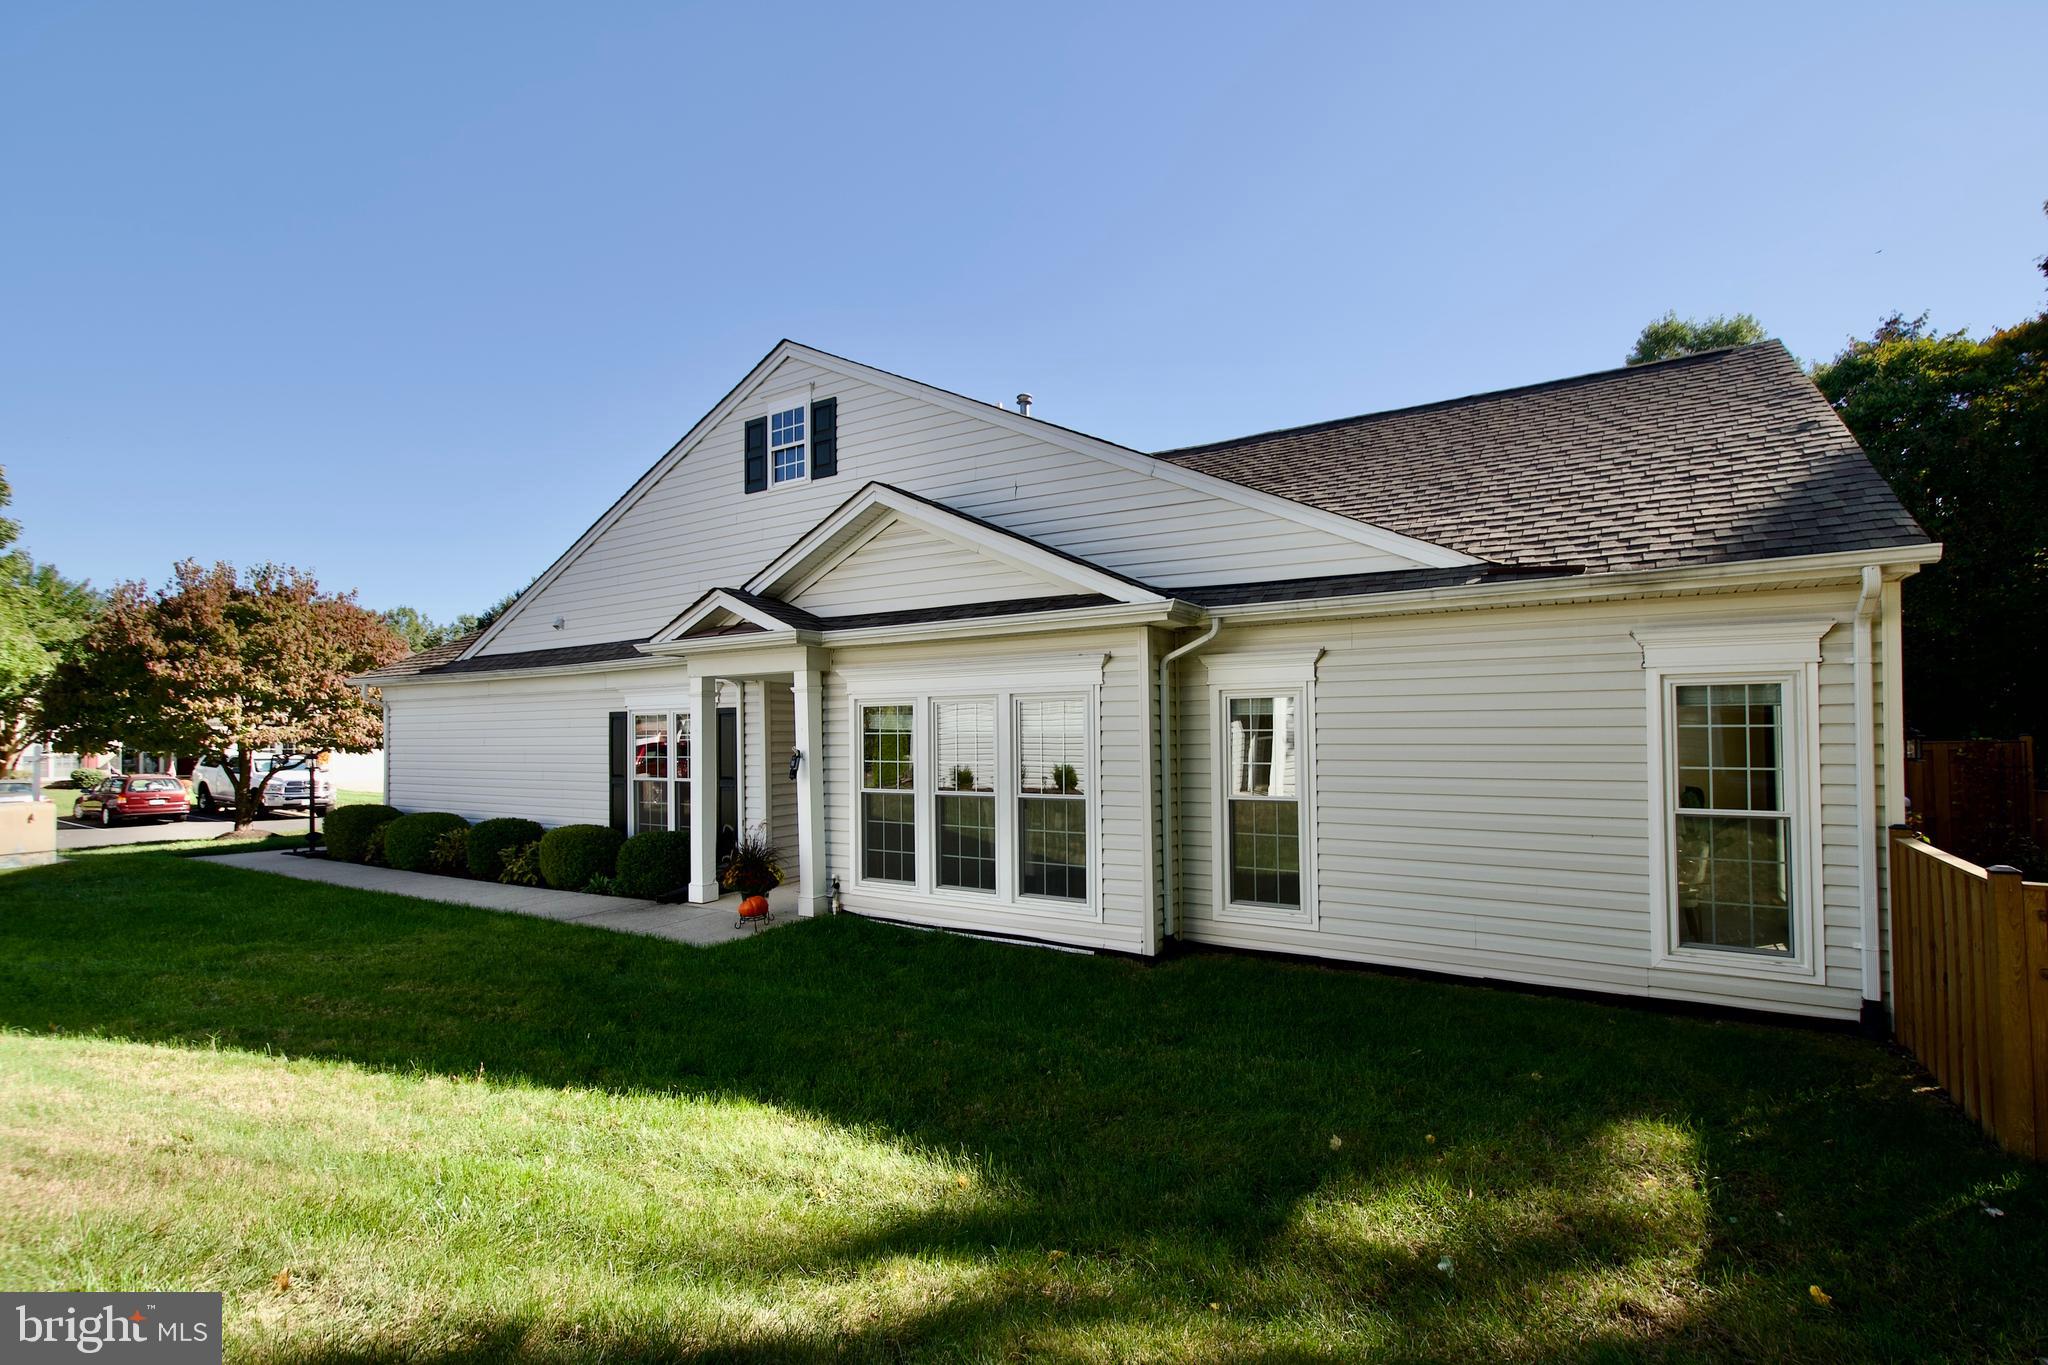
<point x="1559" y="588"/>
<point x="1868" y="603"/>
<point x="1169" y="843"/>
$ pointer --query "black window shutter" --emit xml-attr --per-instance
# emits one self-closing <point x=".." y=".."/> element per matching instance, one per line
<point x="824" y="438"/>
<point x="757" y="454"/>
<point x="621" y="754"/>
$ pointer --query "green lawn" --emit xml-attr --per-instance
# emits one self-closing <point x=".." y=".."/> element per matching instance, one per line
<point x="478" y="1137"/>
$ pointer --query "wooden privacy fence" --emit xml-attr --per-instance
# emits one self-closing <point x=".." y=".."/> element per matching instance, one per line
<point x="1971" y="792"/>
<point x="1970" y="973"/>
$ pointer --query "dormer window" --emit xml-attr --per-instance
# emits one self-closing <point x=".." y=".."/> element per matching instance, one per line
<point x="786" y="445"/>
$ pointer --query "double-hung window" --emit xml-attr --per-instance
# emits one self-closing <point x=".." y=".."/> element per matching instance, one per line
<point x="661" y="770"/>
<point x="888" y="793"/>
<point x="1731" y="820"/>
<point x="1260" y="750"/>
<point x="1734" y="813"/>
<point x="1052" y="799"/>
<point x="984" y="795"/>
<point x="786" y="445"/>
<point x="964" y="734"/>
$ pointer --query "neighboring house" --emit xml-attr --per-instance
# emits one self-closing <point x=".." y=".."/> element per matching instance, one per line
<point x="1592" y="684"/>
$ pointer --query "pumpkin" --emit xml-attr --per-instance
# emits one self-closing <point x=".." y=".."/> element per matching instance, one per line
<point x="754" y="907"/>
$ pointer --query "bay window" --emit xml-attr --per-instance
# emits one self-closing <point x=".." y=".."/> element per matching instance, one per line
<point x="981" y="795"/>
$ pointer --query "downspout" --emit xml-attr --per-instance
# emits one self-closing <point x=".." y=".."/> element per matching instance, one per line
<point x="1868" y="604"/>
<point x="1169" y="839"/>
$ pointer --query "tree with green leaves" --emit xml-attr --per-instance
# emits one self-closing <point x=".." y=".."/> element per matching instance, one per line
<point x="421" y="631"/>
<point x="1959" y="428"/>
<point x="1672" y="335"/>
<point x="228" y="663"/>
<point x="41" y="614"/>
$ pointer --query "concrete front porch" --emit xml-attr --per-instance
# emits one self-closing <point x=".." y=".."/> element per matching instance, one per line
<point x="705" y="925"/>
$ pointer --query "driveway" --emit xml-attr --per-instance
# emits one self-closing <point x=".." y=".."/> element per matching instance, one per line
<point x="73" y="834"/>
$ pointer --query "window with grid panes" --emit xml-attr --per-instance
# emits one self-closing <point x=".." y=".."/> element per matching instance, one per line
<point x="1262" y="800"/>
<point x="964" y="752"/>
<point x="1731" y="821"/>
<point x="1052" y="797"/>
<point x="888" y="794"/>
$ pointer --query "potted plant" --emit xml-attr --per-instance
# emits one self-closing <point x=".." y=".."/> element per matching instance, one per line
<point x="753" y="869"/>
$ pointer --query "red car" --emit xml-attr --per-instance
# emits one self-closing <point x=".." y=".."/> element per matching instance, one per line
<point x="133" y="797"/>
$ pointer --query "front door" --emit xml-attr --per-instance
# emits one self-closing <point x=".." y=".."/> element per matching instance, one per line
<point x="728" y="780"/>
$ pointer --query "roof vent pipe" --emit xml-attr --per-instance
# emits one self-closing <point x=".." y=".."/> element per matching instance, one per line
<point x="1024" y="405"/>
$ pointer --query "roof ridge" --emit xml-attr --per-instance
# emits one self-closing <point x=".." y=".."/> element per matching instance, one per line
<point x="1489" y="395"/>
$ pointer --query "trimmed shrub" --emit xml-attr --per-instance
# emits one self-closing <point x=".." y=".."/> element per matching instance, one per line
<point x="86" y="779"/>
<point x="409" y="840"/>
<point x="451" y="853"/>
<point x="522" y="865"/>
<point x="653" y="863"/>
<point x="572" y="854"/>
<point x="491" y="840"/>
<point x="349" y="830"/>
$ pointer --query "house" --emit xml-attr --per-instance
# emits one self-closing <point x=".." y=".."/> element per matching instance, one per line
<point x="1592" y="683"/>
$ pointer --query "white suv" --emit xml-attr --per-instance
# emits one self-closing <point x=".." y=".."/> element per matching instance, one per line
<point x="212" y="791"/>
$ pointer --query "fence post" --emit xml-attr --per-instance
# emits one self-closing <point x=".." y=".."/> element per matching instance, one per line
<point x="2010" y="1000"/>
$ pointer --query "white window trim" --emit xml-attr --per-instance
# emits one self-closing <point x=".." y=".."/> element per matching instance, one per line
<point x="1787" y="653"/>
<point x="783" y="400"/>
<point x="1244" y="683"/>
<point x="1024" y="683"/>
<point x="917" y="767"/>
<point x="678" y="717"/>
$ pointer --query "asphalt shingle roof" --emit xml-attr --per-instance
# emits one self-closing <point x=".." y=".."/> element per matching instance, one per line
<point x="1361" y="584"/>
<point x="1724" y="456"/>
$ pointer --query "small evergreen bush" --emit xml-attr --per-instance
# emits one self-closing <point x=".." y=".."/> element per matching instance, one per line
<point x="653" y="863"/>
<point x="572" y="854"/>
<point x="410" y="839"/>
<point x="491" y="840"/>
<point x="351" y="829"/>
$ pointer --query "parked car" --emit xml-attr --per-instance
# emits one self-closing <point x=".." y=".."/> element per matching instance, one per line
<point x="133" y="796"/>
<point x="287" y="785"/>
<point x="16" y="789"/>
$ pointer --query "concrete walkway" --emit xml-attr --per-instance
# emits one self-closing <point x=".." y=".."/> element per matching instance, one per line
<point x="702" y="925"/>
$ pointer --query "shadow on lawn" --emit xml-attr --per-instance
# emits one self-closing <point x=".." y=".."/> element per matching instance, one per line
<point x="1170" y="1122"/>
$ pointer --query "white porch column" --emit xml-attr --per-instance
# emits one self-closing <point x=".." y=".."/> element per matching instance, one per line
<point x="808" y="688"/>
<point x="703" y="789"/>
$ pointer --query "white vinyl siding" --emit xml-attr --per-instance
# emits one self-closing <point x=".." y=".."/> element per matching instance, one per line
<point x="538" y="748"/>
<point x="780" y="732"/>
<point x="696" y="529"/>
<point x="1481" y="802"/>
<point x="905" y="567"/>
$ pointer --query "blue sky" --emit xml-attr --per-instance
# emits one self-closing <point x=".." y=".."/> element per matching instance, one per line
<point x="409" y="294"/>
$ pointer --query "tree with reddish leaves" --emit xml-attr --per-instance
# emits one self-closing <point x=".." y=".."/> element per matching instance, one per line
<point x="228" y="663"/>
